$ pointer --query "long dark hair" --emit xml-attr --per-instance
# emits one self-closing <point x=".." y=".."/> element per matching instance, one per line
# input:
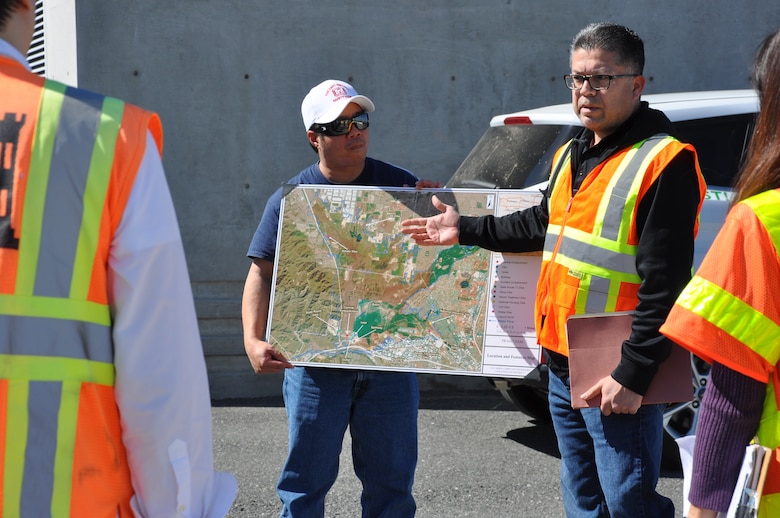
<point x="761" y="170"/>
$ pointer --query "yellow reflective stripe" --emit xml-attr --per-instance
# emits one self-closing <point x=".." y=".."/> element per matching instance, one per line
<point x="768" y="435"/>
<point x="600" y="242"/>
<point x="15" y="445"/>
<point x="632" y="194"/>
<point x="610" y="297"/>
<point x="581" y="302"/>
<point x="47" y="368"/>
<point x="563" y="158"/>
<point x="588" y="268"/>
<point x="768" y="431"/>
<point x="767" y="208"/>
<point x="52" y="307"/>
<point x="19" y="371"/>
<point x="561" y="165"/>
<point x="35" y="193"/>
<point x="734" y="316"/>
<point x="769" y="505"/>
<point x="604" y="205"/>
<point x="95" y="195"/>
<point x="63" y="457"/>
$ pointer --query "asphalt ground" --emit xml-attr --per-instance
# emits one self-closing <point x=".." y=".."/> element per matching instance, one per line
<point x="479" y="457"/>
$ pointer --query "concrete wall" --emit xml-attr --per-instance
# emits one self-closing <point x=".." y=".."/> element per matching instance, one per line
<point x="228" y="76"/>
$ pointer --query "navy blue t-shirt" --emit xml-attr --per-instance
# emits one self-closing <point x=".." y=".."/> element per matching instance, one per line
<point x="375" y="173"/>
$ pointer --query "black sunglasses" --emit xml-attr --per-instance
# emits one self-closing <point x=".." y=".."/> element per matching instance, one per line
<point x="342" y="126"/>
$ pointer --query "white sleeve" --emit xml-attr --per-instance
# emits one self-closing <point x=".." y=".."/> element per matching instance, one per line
<point x="161" y="386"/>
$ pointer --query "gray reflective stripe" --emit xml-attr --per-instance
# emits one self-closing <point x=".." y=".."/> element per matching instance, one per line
<point x="40" y="453"/>
<point x="55" y="337"/>
<point x="597" y="295"/>
<point x="623" y="197"/>
<point x="550" y="239"/>
<point x="64" y="206"/>
<point x="595" y="255"/>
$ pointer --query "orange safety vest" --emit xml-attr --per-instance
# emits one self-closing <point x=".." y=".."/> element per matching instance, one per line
<point x="729" y="313"/>
<point x="589" y="256"/>
<point x="68" y="161"/>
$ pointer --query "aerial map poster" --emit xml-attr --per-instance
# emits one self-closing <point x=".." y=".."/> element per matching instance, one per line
<point x="352" y="291"/>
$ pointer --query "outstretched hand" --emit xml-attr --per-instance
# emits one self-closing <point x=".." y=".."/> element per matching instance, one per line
<point x="441" y="229"/>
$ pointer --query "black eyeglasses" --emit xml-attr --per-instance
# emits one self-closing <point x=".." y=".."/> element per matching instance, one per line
<point x="596" y="81"/>
<point x="342" y="126"/>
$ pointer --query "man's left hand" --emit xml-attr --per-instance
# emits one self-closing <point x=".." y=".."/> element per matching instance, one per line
<point x="615" y="398"/>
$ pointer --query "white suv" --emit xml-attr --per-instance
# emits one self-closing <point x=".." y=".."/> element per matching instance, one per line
<point x="516" y="152"/>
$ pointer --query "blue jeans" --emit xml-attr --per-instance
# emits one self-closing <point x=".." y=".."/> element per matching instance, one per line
<point x="609" y="464"/>
<point x="380" y="409"/>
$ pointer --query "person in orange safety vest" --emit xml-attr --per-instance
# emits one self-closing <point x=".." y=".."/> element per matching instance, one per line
<point x="729" y="315"/>
<point x="104" y="400"/>
<point x="616" y="228"/>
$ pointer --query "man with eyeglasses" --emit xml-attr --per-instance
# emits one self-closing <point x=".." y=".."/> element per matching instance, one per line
<point x="616" y="227"/>
<point x="380" y="408"/>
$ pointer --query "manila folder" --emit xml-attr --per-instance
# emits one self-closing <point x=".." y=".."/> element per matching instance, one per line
<point x="595" y="344"/>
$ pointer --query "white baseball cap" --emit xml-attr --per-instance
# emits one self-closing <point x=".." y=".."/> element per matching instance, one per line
<point x="325" y="102"/>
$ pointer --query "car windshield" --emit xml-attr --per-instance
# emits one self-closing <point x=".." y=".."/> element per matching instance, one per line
<point x="519" y="156"/>
<point x="511" y="157"/>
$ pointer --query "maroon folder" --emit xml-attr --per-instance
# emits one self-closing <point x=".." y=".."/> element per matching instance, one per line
<point x="595" y="342"/>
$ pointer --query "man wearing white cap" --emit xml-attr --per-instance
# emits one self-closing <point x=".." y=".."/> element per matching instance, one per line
<point x="379" y="407"/>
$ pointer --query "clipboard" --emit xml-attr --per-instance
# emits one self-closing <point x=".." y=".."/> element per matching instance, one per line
<point x="750" y="483"/>
<point x="595" y="343"/>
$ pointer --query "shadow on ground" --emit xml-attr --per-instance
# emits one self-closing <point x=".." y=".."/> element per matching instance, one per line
<point x="429" y="400"/>
<point x="531" y="438"/>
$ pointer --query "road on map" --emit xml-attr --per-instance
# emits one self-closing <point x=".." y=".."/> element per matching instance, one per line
<point x="478" y="458"/>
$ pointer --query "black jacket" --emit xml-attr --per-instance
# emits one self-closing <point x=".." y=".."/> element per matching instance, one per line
<point x="665" y="221"/>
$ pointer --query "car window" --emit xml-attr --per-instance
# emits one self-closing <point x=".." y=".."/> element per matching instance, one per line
<point x="721" y="143"/>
